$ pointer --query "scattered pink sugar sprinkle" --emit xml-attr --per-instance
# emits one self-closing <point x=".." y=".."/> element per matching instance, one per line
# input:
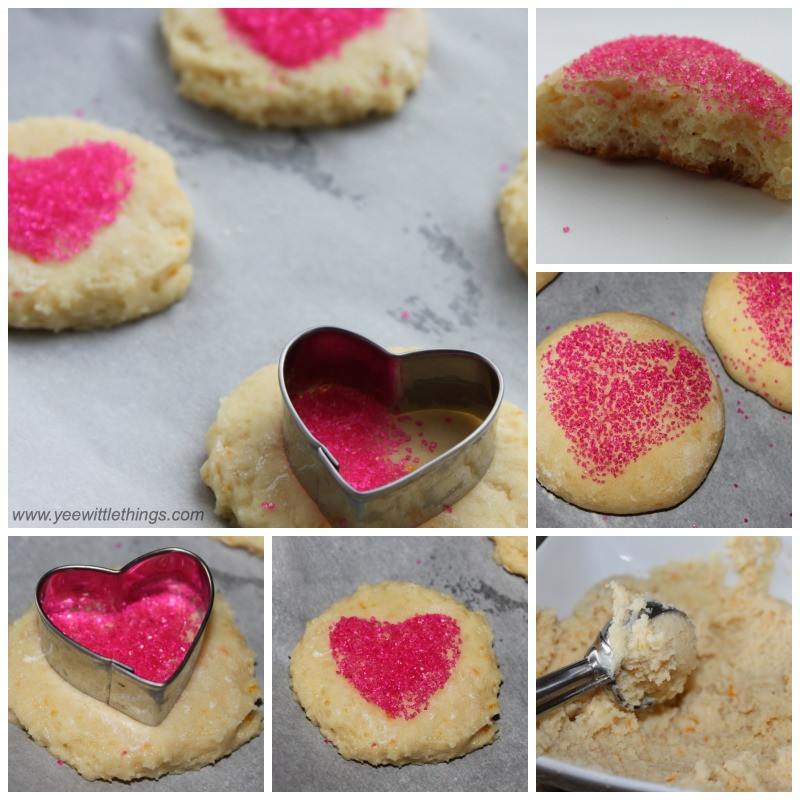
<point x="295" y="37"/>
<point x="768" y="302"/>
<point x="56" y="204"/>
<point x="720" y="78"/>
<point x="405" y="315"/>
<point x="397" y="666"/>
<point x="616" y="398"/>
<point x="363" y="435"/>
<point x="269" y="506"/>
<point x="565" y="229"/>
<point x="152" y="634"/>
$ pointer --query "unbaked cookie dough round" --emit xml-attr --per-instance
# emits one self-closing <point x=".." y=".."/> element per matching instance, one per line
<point x="748" y="319"/>
<point x="543" y="278"/>
<point x="215" y="714"/>
<point x="132" y="266"/>
<point x="511" y="552"/>
<point x="513" y="208"/>
<point x="629" y="415"/>
<point x="255" y="486"/>
<point x="399" y="674"/>
<point x="255" y="544"/>
<point x="368" y="72"/>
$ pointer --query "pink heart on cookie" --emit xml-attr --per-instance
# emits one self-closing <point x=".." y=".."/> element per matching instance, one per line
<point x="296" y="37"/>
<point x="616" y="398"/>
<point x="397" y="666"/>
<point x="58" y="203"/>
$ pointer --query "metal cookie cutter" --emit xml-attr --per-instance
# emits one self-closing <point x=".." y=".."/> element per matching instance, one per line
<point x="80" y="587"/>
<point x="455" y="380"/>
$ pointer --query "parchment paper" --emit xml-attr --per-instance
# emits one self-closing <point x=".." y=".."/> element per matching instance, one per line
<point x="388" y="228"/>
<point x="756" y="453"/>
<point x="238" y="577"/>
<point x="311" y="573"/>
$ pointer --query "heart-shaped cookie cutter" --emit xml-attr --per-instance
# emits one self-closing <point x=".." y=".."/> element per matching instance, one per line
<point x="171" y="569"/>
<point x="456" y="380"/>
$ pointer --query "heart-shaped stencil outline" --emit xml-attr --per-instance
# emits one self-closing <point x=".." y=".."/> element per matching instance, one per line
<point x="457" y="380"/>
<point x="106" y="679"/>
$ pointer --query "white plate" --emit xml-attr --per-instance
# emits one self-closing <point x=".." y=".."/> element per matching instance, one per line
<point x="567" y="566"/>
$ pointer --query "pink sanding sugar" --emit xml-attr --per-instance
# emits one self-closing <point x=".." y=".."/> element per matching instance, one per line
<point x="152" y="634"/>
<point x="295" y="37"/>
<point x="397" y="666"/>
<point x="616" y="398"/>
<point x="718" y="77"/>
<point x="768" y="302"/>
<point x="56" y="204"/>
<point x="362" y="434"/>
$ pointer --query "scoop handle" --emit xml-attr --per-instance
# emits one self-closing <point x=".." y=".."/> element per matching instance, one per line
<point x="569" y="682"/>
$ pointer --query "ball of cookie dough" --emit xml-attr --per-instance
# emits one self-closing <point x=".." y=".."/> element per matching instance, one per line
<point x="255" y="486"/>
<point x="399" y="674"/>
<point x="629" y="415"/>
<point x="511" y="552"/>
<point x="748" y="319"/>
<point x="215" y="715"/>
<point x="99" y="230"/>
<point x="513" y="208"/>
<point x="336" y="71"/>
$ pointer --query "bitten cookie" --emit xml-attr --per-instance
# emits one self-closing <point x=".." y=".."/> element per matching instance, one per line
<point x="513" y="209"/>
<point x="678" y="99"/>
<point x="255" y="486"/>
<point x="748" y="319"/>
<point x="215" y="714"/>
<point x="629" y="416"/>
<point x="511" y="552"/>
<point x="291" y="67"/>
<point x="399" y="674"/>
<point x="99" y="230"/>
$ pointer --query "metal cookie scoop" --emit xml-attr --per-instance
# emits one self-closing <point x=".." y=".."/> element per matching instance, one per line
<point x="594" y="670"/>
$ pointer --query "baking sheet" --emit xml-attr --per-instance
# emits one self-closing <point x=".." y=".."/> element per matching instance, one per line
<point x="388" y="228"/>
<point x="311" y="573"/>
<point x="756" y="453"/>
<point x="238" y="577"/>
<point x="635" y="211"/>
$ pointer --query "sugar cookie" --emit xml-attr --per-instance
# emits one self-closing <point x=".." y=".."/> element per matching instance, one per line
<point x="99" y="230"/>
<point x="255" y="544"/>
<point x="748" y="319"/>
<point x="678" y="99"/>
<point x="399" y="674"/>
<point x="255" y="486"/>
<point x="629" y="416"/>
<point x="511" y="552"/>
<point x="215" y="715"/>
<point x="297" y="67"/>
<point x="543" y="278"/>
<point x="513" y="208"/>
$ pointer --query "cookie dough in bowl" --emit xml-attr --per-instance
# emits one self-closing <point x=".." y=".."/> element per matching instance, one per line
<point x="398" y="674"/>
<point x="629" y="415"/>
<point x="730" y="727"/>
<point x="289" y="68"/>
<point x="99" y="229"/>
